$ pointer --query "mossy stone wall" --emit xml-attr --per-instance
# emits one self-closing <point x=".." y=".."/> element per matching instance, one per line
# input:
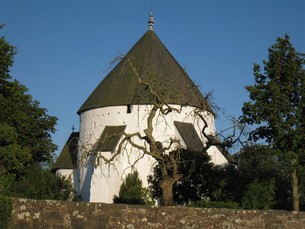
<point x="59" y="214"/>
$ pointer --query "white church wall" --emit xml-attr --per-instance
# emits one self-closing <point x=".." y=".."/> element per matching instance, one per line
<point x="67" y="173"/>
<point x="216" y="157"/>
<point x="101" y="183"/>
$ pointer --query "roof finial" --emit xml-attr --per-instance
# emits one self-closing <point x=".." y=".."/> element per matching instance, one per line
<point x="151" y="21"/>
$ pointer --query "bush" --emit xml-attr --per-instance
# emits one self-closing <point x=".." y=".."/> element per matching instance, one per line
<point x="39" y="183"/>
<point x="259" y="195"/>
<point x="6" y="207"/>
<point x="131" y="191"/>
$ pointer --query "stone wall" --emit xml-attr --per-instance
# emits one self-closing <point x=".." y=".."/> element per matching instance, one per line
<point x="57" y="214"/>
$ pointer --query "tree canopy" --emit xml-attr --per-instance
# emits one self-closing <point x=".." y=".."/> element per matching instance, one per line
<point x="258" y="181"/>
<point x="26" y="147"/>
<point x="277" y="106"/>
<point x="25" y="127"/>
<point x="131" y="191"/>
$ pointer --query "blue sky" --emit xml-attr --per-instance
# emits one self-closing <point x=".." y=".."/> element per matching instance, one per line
<point x="65" y="46"/>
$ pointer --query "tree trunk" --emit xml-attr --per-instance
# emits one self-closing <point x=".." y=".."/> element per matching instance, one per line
<point x="167" y="192"/>
<point x="295" y="190"/>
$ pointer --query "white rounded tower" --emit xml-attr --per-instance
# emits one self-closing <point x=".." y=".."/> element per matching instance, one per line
<point x="120" y="106"/>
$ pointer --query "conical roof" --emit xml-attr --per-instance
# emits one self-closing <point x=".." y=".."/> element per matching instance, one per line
<point x="153" y="63"/>
<point x="67" y="159"/>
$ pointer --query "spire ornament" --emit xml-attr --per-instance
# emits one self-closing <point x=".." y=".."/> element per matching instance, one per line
<point x="151" y="21"/>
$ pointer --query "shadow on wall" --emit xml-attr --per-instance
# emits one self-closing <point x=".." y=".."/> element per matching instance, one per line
<point x="86" y="186"/>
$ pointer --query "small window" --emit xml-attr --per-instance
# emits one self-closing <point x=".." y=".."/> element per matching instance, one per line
<point x="189" y="135"/>
<point x="129" y="109"/>
<point x="109" y="138"/>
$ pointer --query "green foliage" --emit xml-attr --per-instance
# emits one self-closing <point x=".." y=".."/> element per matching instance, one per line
<point x="25" y="127"/>
<point x="7" y="53"/>
<point x="6" y="208"/>
<point x="131" y="191"/>
<point x="277" y="98"/>
<point x="259" y="195"/>
<point x="259" y="181"/>
<point x="36" y="183"/>
<point x="5" y="182"/>
<point x="201" y="179"/>
<point x="39" y="183"/>
<point x="302" y="189"/>
<point x="26" y="148"/>
<point x="26" y="124"/>
<point x="258" y="165"/>
<point x="13" y="157"/>
<point x="154" y="182"/>
<point x="277" y="106"/>
<point x="212" y="204"/>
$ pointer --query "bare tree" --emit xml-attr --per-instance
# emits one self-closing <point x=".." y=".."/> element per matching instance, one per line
<point x="166" y="154"/>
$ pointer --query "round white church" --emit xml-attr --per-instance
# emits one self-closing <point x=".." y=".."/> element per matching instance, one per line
<point x="96" y="159"/>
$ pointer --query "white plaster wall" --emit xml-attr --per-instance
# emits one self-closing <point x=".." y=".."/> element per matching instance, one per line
<point x="101" y="183"/>
<point x="67" y="173"/>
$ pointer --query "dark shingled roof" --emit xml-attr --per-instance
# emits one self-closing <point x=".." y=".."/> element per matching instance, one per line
<point x="67" y="159"/>
<point x="192" y="140"/>
<point x="155" y="65"/>
<point x="189" y="135"/>
<point x="109" y="138"/>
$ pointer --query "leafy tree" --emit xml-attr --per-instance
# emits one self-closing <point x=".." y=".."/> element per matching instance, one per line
<point x="24" y="126"/>
<point x="197" y="170"/>
<point x="201" y="179"/>
<point x="6" y="208"/>
<point x="259" y="195"/>
<point x="26" y="147"/>
<point x="39" y="183"/>
<point x="131" y="191"/>
<point x="277" y="107"/>
<point x="302" y="189"/>
<point x="258" y="166"/>
<point x="258" y="180"/>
